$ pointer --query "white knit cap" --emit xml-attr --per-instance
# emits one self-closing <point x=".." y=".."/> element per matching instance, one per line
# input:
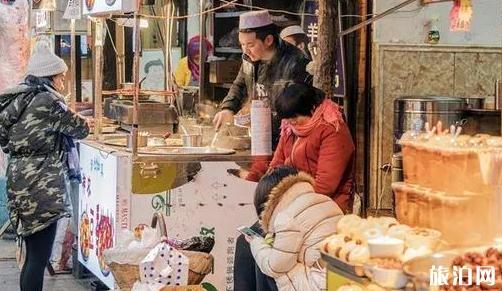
<point x="43" y="62"/>
<point x="254" y="19"/>
<point x="291" y="30"/>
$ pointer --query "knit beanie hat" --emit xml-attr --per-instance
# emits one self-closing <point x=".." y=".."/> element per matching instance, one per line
<point x="43" y="62"/>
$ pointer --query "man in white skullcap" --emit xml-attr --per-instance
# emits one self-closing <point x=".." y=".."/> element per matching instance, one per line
<point x="267" y="62"/>
<point x="295" y="35"/>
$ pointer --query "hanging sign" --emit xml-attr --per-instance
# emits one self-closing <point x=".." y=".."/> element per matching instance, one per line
<point x="311" y="26"/>
<point x="72" y="10"/>
<point x="107" y="6"/>
<point x="42" y="20"/>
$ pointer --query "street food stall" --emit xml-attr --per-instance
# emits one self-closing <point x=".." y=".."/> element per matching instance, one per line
<point x="441" y="220"/>
<point x="134" y="172"/>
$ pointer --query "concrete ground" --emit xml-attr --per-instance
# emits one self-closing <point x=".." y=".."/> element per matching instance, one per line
<point x="9" y="273"/>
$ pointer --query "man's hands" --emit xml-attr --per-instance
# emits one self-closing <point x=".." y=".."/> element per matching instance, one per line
<point x="223" y="117"/>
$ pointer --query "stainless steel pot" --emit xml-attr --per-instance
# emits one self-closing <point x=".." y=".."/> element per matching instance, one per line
<point x="192" y="140"/>
<point x="412" y="112"/>
<point x="474" y="102"/>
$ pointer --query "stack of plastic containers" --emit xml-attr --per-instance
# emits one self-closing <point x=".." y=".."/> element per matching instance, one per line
<point x="452" y="184"/>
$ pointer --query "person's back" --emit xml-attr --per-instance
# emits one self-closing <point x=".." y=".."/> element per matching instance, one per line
<point x="37" y="130"/>
<point x="299" y="219"/>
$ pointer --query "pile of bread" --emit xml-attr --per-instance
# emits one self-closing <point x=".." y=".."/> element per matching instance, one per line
<point x="350" y="244"/>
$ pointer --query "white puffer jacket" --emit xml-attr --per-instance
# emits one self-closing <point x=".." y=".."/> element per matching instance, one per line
<point x="300" y="220"/>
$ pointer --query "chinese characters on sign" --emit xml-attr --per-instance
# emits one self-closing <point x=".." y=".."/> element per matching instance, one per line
<point x="311" y="26"/>
<point x="97" y="166"/>
<point x="462" y="276"/>
<point x="230" y="264"/>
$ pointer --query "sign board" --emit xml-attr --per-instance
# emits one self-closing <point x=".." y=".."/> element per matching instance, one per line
<point x="200" y="207"/>
<point x="90" y="7"/>
<point x="213" y="204"/>
<point x="72" y="10"/>
<point x="61" y="24"/>
<point x="311" y="27"/>
<point x="97" y="211"/>
<point x="42" y="20"/>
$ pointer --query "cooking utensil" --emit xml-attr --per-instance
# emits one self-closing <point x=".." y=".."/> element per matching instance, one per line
<point x="213" y="141"/>
<point x="192" y="140"/>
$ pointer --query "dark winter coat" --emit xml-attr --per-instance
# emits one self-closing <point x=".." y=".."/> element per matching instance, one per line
<point x="31" y="132"/>
<point x="267" y="78"/>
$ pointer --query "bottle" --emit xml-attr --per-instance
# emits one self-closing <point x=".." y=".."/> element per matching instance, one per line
<point x="433" y="35"/>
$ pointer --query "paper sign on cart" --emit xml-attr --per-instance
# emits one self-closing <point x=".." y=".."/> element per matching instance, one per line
<point x="72" y="10"/>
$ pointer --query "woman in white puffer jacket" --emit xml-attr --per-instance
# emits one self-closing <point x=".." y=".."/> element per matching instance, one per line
<point x="298" y="219"/>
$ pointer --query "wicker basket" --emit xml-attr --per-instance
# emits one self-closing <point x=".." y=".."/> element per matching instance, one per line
<point x="125" y="275"/>
<point x="199" y="264"/>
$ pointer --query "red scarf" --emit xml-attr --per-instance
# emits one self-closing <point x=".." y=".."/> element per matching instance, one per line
<point x="327" y="113"/>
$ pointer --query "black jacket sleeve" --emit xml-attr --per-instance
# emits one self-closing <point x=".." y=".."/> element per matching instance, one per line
<point x="237" y="94"/>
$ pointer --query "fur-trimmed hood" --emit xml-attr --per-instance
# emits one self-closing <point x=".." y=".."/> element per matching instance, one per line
<point x="283" y="189"/>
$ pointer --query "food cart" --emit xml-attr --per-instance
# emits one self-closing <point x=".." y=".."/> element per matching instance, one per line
<point x="129" y="176"/>
<point x="119" y="194"/>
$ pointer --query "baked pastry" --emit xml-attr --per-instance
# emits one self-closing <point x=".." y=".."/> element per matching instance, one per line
<point x="386" y="222"/>
<point x="370" y="233"/>
<point x="359" y="255"/>
<point x="335" y="243"/>
<point x="364" y="228"/>
<point x="347" y="222"/>
<point x="398" y="231"/>
<point x="343" y="254"/>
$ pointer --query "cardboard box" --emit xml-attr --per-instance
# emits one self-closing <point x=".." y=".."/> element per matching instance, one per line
<point x="224" y="71"/>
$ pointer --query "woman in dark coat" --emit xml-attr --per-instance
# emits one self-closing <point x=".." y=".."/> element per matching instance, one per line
<point x="37" y="130"/>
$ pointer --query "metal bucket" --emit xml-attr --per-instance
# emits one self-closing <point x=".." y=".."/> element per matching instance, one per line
<point x="412" y="112"/>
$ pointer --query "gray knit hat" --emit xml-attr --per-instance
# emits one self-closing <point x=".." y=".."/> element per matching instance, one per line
<point x="43" y="62"/>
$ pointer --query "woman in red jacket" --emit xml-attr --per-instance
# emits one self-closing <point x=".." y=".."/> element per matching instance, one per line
<point x="315" y="139"/>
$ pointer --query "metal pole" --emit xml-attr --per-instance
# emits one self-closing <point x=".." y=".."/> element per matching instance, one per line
<point x="169" y="11"/>
<point x="73" y="69"/>
<point x="202" y="52"/>
<point x="136" y="64"/>
<point x="98" y="77"/>
<point x="373" y="19"/>
<point x="120" y="65"/>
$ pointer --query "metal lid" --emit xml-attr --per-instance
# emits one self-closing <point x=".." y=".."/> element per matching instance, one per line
<point x="424" y="104"/>
<point x="429" y="99"/>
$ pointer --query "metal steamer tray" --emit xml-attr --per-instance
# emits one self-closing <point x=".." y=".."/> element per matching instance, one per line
<point x="356" y="270"/>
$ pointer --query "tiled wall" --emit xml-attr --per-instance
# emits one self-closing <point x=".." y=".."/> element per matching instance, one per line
<point x="401" y="70"/>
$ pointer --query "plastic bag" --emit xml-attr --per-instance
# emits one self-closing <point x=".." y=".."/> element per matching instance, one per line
<point x="164" y="265"/>
<point x="130" y="250"/>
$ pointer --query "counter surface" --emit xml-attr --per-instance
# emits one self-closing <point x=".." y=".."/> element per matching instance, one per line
<point x="238" y="156"/>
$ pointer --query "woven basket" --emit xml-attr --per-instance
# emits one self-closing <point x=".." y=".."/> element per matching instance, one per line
<point x="125" y="275"/>
<point x="199" y="264"/>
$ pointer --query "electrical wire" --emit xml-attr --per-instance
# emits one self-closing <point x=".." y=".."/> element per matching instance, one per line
<point x="271" y="10"/>
<point x="227" y="3"/>
<point x="233" y="2"/>
<point x="158" y="26"/>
